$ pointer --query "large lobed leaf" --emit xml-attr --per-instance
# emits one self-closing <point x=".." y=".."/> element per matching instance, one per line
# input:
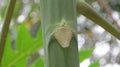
<point x="25" y="46"/>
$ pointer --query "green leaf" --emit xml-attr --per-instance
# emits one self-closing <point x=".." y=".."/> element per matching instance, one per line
<point x="39" y="37"/>
<point x="22" y="63"/>
<point x="39" y="62"/>
<point x="95" y="64"/>
<point x="24" y="40"/>
<point x="25" y="46"/>
<point x="38" y="41"/>
<point x="9" y="54"/>
<point x="84" y="54"/>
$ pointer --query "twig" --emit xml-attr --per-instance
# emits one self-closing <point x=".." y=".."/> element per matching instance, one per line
<point x="6" y="27"/>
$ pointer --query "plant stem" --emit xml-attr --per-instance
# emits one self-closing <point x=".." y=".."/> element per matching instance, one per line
<point x="58" y="19"/>
<point x="6" y="27"/>
<point x="89" y="12"/>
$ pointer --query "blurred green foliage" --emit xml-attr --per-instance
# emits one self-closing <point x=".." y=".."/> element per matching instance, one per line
<point x="25" y="46"/>
<point x="95" y="64"/>
<point x="84" y="54"/>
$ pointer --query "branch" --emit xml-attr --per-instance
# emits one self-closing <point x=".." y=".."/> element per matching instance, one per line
<point x="6" y="27"/>
<point x="89" y="12"/>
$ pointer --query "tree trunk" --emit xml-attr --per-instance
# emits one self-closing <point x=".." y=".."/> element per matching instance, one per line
<point x="59" y="31"/>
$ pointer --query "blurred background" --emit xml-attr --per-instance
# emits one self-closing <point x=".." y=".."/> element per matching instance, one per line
<point x="105" y="47"/>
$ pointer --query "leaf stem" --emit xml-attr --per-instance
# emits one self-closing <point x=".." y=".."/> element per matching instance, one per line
<point x="89" y="12"/>
<point x="5" y="28"/>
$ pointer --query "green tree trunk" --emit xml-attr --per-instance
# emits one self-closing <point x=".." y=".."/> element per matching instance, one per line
<point x="59" y="31"/>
